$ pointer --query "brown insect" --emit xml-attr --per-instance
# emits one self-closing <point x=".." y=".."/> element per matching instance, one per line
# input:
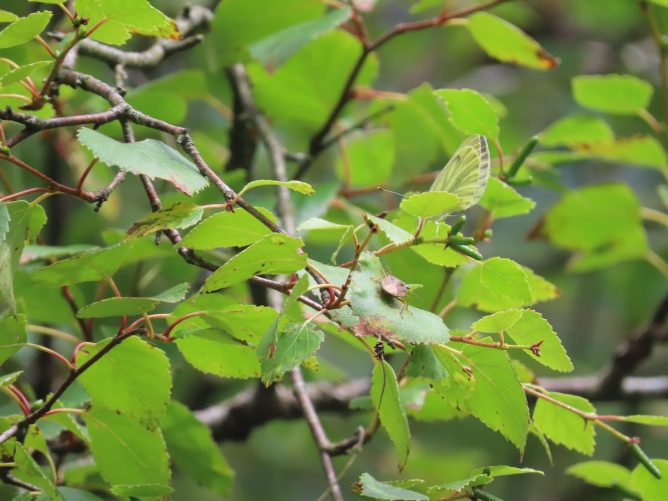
<point x="395" y="288"/>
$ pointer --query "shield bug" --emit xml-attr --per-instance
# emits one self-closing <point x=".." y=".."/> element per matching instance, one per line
<point x="393" y="287"/>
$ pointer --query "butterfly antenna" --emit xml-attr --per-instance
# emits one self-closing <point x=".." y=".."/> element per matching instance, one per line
<point x="380" y="188"/>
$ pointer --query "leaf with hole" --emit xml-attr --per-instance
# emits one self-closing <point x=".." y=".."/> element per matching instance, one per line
<point x="507" y="43"/>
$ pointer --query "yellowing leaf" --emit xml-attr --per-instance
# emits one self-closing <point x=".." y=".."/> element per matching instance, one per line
<point x="507" y="43"/>
<point x="641" y="151"/>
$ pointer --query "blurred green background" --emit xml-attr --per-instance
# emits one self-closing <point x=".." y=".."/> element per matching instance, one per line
<point x="596" y="310"/>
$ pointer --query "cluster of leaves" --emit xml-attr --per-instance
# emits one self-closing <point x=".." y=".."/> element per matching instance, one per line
<point x="116" y="399"/>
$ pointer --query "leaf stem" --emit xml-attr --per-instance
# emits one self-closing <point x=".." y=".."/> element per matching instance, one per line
<point x="50" y="331"/>
<point x="655" y="260"/>
<point x="655" y="31"/>
<point x="51" y="352"/>
<point x="498" y="345"/>
<point x="649" y="119"/>
<point x="587" y="416"/>
<point x="46" y="46"/>
<point x="654" y="215"/>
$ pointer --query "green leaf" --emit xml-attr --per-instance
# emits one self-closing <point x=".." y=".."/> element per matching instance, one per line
<point x="124" y="18"/>
<point x="286" y="346"/>
<point x="458" y="485"/>
<point x="298" y="186"/>
<point x="373" y="313"/>
<point x="647" y="485"/>
<point x="430" y="203"/>
<point x="434" y="253"/>
<point x="504" y="471"/>
<point x="577" y="130"/>
<point x="29" y="471"/>
<point x="194" y="451"/>
<point x="618" y="94"/>
<point x="373" y="147"/>
<point x="213" y="352"/>
<point x="120" y="382"/>
<point x="611" y="232"/>
<point x="18" y="74"/>
<point x="641" y="151"/>
<point x="647" y="420"/>
<point x="245" y="322"/>
<point x="394" y="233"/>
<point x="288" y="98"/>
<point x="47" y="252"/>
<point x="10" y="378"/>
<point x="275" y="253"/>
<point x="150" y="157"/>
<point x="423" y="363"/>
<point x="602" y="474"/>
<point x="228" y="229"/>
<point x="507" y="43"/>
<point x="369" y="487"/>
<point x="503" y="201"/>
<point x="7" y="17"/>
<point x="533" y="330"/>
<point x="130" y="455"/>
<point x="481" y="476"/>
<point x="496" y="284"/>
<point x="564" y="427"/>
<point x="497" y="398"/>
<point x="316" y="223"/>
<point x="232" y="34"/>
<point x="12" y="335"/>
<point x="19" y="222"/>
<point x="422" y="132"/>
<point x="120" y="306"/>
<point x="24" y="29"/>
<point x="470" y="112"/>
<point x="385" y="397"/>
<point x="87" y="267"/>
<point x="279" y="46"/>
<point x="499" y="321"/>
<point x="177" y="216"/>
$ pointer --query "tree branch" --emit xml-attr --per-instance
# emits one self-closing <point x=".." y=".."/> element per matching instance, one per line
<point x="190" y="20"/>
<point x="235" y="418"/>
<point x="634" y="351"/>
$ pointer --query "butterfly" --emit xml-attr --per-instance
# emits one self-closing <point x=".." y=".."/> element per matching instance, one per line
<point x="466" y="173"/>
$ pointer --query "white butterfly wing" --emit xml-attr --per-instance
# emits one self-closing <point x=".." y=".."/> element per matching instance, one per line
<point x="467" y="172"/>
